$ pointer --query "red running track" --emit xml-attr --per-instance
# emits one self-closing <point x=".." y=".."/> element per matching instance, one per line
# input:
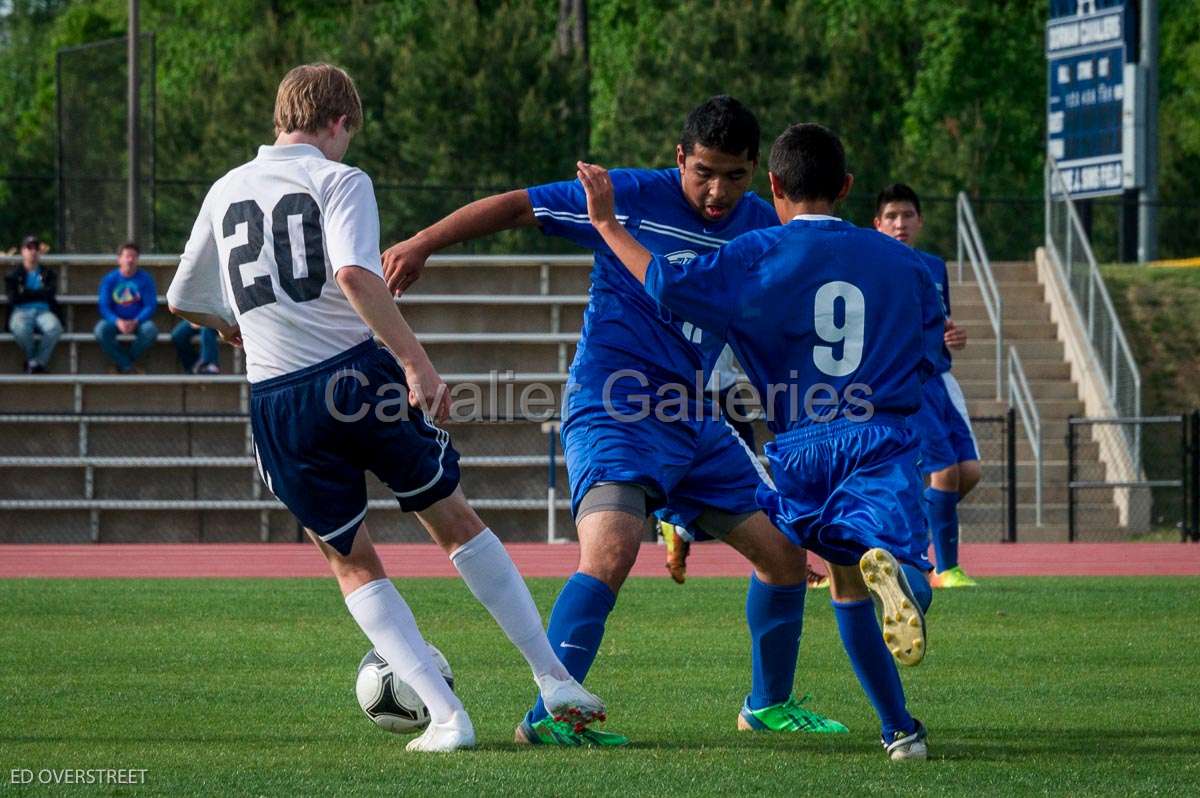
<point x="250" y="560"/>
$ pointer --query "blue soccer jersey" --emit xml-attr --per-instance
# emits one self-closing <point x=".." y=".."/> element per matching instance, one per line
<point x="941" y="281"/>
<point x="623" y="328"/>
<point x="836" y="327"/>
<point x="829" y="320"/>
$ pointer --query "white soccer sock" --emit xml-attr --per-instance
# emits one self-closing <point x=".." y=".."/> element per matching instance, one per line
<point x="492" y="578"/>
<point x="390" y="626"/>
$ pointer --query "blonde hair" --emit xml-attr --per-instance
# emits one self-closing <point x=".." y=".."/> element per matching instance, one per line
<point x="312" y="96"/>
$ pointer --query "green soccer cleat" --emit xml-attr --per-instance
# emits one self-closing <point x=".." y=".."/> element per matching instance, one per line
<point x="549" y="731"/>
<point x="953" y="577"/>
<point x="789" y="716"/>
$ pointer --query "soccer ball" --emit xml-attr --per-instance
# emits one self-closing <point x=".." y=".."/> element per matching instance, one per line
<point x="390" y="702"/>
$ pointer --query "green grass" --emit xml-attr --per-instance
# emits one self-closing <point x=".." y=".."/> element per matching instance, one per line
<point x="1032" y="686"/>
<point x="1158" y="310"/>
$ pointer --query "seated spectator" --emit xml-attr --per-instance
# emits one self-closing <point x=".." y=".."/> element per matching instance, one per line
<point x="128" y="299"/>
<point x="183" y="335"/>
<point x="32" y="307"/>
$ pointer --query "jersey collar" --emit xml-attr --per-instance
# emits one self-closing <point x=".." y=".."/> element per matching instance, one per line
<point x="814" y="217"/>
<point x="281" y="152"/>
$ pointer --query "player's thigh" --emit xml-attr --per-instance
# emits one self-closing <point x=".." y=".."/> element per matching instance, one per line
<point x="451" y="521"/>
<point x="969" y="474"/>
<point x="957" y="421"/>
<point x="360" y="566"/>
<point x="776" y="559"/>
<point x="599" y="449"/>
<point x="724" y="476"/>
<point x="401" y="445"/>
<point x="299" y="450"/>
<point x="611" y="524"/>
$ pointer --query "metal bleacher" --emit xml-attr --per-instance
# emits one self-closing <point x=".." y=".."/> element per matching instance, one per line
<point x="166" y="456"/>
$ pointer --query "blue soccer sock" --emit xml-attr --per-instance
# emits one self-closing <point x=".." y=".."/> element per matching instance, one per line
<point x="775" y="615"/>
<point x="577" y="627"/>
<point x="919" y="584"/>
<point x="941" y="508"/>
<point x="873" y="664"/>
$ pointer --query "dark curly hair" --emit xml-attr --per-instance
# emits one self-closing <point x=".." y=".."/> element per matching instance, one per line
<point x="721" y="123"/>
<point x="809" y="160"/>
<point x="897" y="192"/>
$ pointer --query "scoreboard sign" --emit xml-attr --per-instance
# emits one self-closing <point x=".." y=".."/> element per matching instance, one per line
<point x="1086" y="98"/>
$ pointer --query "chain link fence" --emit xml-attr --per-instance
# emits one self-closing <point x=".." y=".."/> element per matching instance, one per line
<point x="152" y="478"/>
<point x="93" y="152"/>
<point x="1159" y="502"/>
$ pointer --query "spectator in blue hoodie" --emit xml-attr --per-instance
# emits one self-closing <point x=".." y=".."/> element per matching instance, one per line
<point x="128" y="299"/>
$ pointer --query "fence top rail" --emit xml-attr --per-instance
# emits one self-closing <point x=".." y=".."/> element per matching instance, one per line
<point x="432" y="338"/>
<point x="1127" y="419"/>
<point x="437" y="260"/>
<point x="496" y="377"/>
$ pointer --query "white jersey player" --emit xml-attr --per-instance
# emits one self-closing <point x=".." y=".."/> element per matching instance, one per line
<point x="284" y="259"/>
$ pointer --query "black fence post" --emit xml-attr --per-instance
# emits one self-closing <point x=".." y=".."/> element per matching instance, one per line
<point x="1070" y="479"/>
<point x="1195" y="480"/>
<point x="1185" y="447"/>
<point x="1010" y="428"/>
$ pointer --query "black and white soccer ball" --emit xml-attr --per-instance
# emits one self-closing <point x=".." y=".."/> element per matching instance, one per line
<point x="388" y="700"/>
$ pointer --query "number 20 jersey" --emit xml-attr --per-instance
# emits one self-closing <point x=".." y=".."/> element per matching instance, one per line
<point x="266" y="247"/>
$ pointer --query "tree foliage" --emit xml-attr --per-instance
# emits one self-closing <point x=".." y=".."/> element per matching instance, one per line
<point x="467" y="96"/>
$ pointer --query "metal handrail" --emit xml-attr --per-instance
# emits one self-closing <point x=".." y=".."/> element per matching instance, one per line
<point x="1021" y="397"/>
<point x="1095" y="303"/>
<point x="971" y="242"/>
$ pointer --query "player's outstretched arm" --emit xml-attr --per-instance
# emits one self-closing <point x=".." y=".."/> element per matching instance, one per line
<point x="370" y="298"/>
<point x="403" y="262"/>
<point x="603" y="215"/>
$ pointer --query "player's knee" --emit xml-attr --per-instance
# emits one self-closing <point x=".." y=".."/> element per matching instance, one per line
<point x="846" y="583"/>
<point x="969" y="474"/>
<point x="608" y="546"/>
<point x="945" y="480"/>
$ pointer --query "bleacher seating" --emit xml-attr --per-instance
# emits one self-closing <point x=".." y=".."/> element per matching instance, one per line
<point x="138" y="464"/>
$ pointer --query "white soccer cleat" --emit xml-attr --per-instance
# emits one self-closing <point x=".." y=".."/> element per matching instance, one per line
<point x="566" y="700"/>
<point x="907" y="746"/>
<point x="903" y="622"/>
<point x="450" y="735"/>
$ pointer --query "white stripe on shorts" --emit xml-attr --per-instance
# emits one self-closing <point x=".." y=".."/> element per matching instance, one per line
<point x="954" y="391"/>
<point x="758" y="467"/>
<point x="443" y="440"/>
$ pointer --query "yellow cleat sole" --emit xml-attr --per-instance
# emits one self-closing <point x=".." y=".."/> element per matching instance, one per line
<point x="902" y="622"/>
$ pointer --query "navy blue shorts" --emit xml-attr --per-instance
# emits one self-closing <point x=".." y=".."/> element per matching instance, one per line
<point x="845" y="487"/>
<point x="318" y="430"/>
<point x="943" y="426"/>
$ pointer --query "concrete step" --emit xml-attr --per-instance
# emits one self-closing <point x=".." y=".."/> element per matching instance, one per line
<point x="1026" y="330"/>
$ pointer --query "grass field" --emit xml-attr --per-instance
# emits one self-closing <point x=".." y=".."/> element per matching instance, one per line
<point x="1032" y="686"/>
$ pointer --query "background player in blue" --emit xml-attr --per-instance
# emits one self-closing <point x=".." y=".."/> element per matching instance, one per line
<point x="949" y="455"/>
<point x="629" y="450"/>
<point x="838" y="345"/>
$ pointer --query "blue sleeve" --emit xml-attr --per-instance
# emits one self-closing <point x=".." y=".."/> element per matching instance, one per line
<point x="561" y="208"/>
<point x="105" y="298"/>
<point x="149" y="297"/>
<point x="707" y="289"/>
<point x="933" y="324"/>
<point x="946" y="293"/>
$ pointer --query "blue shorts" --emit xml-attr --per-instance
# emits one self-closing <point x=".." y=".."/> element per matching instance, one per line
<point x="845" y="487"/>
<point x="943" y="426"/>
<point x="686" y="464"/>
<point x="316" y="463"/>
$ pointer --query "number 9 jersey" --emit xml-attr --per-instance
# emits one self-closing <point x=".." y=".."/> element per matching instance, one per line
<point x="264" y="251"/>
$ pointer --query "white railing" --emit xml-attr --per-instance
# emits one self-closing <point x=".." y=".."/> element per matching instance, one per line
<point x="970" y="242"/>
<point x="1021" y="397"/>
<point x="1071" y="254"/>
